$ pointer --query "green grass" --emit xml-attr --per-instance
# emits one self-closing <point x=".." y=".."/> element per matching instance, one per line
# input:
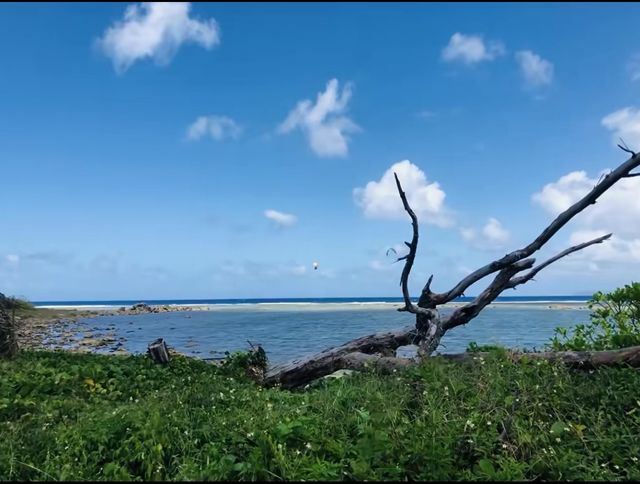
<point x="68" y="416"/>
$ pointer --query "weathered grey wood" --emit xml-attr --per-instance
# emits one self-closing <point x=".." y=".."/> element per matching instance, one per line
<point x="516" y="281"/>
<point x="576" y="359"/>
<point x="469" y="311"/>
<point x="302" y="371"/>
<point x="159" y="352"/>
<point x="430" y="327"/>
<point x="622" y="171"/>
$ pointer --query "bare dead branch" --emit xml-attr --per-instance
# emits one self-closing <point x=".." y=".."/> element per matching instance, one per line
<point x="624" y="147"/>
<point x="531" y="274"/>
<point x="413" y="246"/>
<point x="560" y="221"/>
<point x="469" y="311"/>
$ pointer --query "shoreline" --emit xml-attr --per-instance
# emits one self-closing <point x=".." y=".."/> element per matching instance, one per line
<point x="306" y="306"/>
<point x="73" y="328"/>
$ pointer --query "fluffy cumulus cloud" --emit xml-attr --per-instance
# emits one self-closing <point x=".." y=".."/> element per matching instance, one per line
<point x="155" y="30"/>
<point x="491" y="236"/>
<point x="281" y="219"/>
<point x="471" y="49"/>
<point x="535" y="70"/>
<point x="616" y="211"/>
<point x="380" y="199"/>
<point x="324" y="123"/>
<point x="217" y="127"/>
<point x="625" y="124"/>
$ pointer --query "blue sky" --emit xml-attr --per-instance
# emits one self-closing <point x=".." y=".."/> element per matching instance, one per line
<point x="143" y="146"/>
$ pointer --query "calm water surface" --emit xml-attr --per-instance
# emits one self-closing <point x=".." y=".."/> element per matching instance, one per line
<point x="297" y="332"/>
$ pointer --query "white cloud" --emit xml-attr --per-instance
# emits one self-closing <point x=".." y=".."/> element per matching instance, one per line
<point x="471" y="49"/>
<point x="298" y="270"/>
<point x="218" y="127"/>
<point x="260" y="270"/>
<point x="378" y="265"/>
<point x="281" y="219"/>
<point x="12" y="259"/>
<point x="634" y="67"/>
<point x="492" y="236"/>
<point x="625" y="124"/>
<point x="155" y="30"/>
<point x="324" y="123"/>
<point x="380" y="199"/>
<point x="616" y="211"/>
<point x="426" y="114"/>
<point x="535" y="70"/>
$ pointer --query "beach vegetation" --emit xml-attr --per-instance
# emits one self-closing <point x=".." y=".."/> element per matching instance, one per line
<point x="66" y="416"/>
<point x="614" y="323"/>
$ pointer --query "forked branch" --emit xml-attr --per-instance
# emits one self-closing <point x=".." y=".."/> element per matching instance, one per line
<point x="530" y="275"/>
<point x="623" y="171"/>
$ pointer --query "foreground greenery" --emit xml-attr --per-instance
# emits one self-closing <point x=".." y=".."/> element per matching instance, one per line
<point x="71" y="416"/>
<point x="66" y="416"/>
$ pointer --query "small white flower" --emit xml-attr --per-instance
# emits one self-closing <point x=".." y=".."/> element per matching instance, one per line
<point x="489" y="422"/>
<point x="504" y="446"/>
<point x="250" y="435"/>
<point x="557" y="439"/>
<point x="308" y="446"/>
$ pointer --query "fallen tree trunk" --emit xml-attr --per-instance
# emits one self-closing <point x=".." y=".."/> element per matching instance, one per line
<point x="575" y="359"/>
<point x="301" y="372"/>
<point x="430" y="326"/>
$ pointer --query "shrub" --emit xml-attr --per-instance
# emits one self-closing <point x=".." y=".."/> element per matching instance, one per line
<point x="8" y="337"/>
<point x="614" y="323"/>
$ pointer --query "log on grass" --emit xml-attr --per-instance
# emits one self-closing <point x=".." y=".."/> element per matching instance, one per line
<point x="300" y="372"/>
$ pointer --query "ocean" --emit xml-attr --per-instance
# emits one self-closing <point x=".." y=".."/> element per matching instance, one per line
<point x="320" y="300"/>
<point x="294" y="328"/>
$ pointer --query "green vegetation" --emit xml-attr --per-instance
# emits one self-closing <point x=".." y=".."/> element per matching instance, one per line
<point x="18" y="305"/>
<point x="71" y="416"/>
<point x="615" y="323"/>
<point x="66" y="416"/>
<point x="8" y="328"/>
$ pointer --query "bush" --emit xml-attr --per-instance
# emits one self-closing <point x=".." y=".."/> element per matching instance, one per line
<point x="8" y="337"/>
<point x="614" y="323"/>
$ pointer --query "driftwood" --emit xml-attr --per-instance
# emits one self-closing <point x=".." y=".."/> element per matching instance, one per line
<point x="575" y="359"/>
<point x="430" y="326"/>
<point x="300" y="372"/>
<point x="158" y="351"/>
<point x="584" y="360"/>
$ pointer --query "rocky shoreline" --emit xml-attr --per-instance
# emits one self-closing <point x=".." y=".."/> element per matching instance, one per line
<point x="71" y="329"/>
